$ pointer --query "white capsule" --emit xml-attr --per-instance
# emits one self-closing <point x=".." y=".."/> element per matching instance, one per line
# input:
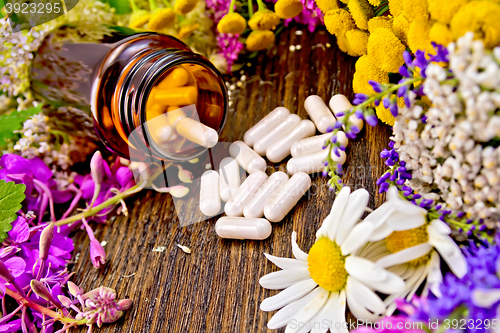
<point x="312" y="163"/>
<point x="315" y="143"/>
<point x="266" y="124"/>
<point x="287" y="197"/>
<point x="319" y="113"/>
<point x="229" y="178"/>
<point x="255" y="207"/>
<point x="197" y="132"/>
<point x="209" y="193"/>
<point x="163" y="134"/>
<point x="243" y="228"/>
<point x="339" y="103"/>
<point x="276" y="133"/>
<point x="246" y="157"/>
<point x="174" y="116"/>
<point x="281" y="149"/>
<point x="235" y="205"/>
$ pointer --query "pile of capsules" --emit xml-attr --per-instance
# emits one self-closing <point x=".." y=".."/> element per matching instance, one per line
<point x="168" y="108"/>
<point x="276" y="136"/>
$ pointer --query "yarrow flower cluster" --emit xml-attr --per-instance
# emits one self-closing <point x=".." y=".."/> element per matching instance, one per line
<point x="450" y="147"/>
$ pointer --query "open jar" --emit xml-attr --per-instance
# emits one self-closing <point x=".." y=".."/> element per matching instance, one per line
<point x="137" y="86"/>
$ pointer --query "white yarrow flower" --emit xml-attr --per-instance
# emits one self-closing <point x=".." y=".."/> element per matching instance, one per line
<point x="319" y="285"/>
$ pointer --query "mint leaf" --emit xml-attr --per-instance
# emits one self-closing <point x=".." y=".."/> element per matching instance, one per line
<point x="14" y="122"/>
<point x="11" y="196"/>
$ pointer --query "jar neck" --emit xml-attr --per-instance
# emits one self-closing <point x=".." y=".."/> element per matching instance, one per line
<point x="132" y="96"/>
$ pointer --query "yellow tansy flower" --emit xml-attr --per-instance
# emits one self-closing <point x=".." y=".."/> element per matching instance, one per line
<point x="481" y="17"/>
<point x="338" y="21"/>
<point x="139" y="18"/>
<point x="385" y="115"/>
<point x="357" y="41"/>
<point x="232" y="23"/>
<point x="386" y="50"/>
<point x="443" y="11"/>
<point x="395" y="7"/>
<point x="184" y="6"/>
<point x="441" y="34"/>
<point x="365" y="71"/>
<point x="264" y="20"/>
<point x="161" y="19"/>
<point x="260" y="40"/>
<point x="380" y="22"/>
<point x="375" y="3"/>
<point x="188" y="30"/>
<point x="418" y="35"/>
<point x="342" y="43"/>
<point x="416" y="9"/>
<point x="361" y="12"/>
<point x="327" y="5"/>
<point x="400" y="26"/>
<point x="288" y="8"/>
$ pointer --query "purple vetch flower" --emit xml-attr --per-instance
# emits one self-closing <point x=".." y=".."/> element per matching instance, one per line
<point x="359" y="98"/>
<point x="377" y="87"/>
<point x="372" y="120"/>
<point x="404" y="71"/>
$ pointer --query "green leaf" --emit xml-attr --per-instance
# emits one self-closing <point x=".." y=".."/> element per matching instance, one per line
<point x="11" y="196"/>
<point x="14" y="122"/>
<point x="121" y="6"/>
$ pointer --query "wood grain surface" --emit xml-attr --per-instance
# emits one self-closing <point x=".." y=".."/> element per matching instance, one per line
<point x="215" y="288"/>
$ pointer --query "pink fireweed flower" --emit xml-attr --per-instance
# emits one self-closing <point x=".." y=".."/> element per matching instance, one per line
<point x="101" y="306"/>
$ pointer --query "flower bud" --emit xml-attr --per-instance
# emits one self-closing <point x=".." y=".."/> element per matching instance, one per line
<point x="185" y="176"/>
<point x="97" y="253"/>
<point x="97" y="167"/>
<point x="179" y="191"/>
<point x="125" y="304"/>
<point x="46" y="241"/>
<point x="65" y="301"/>
<point x="41" y="291"/>
<point x="74" y="289"/>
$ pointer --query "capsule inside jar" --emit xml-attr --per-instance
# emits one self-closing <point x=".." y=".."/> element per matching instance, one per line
<point x="180" y="113"/>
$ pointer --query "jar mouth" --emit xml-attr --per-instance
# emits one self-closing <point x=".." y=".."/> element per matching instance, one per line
<point x="155" y="100"/>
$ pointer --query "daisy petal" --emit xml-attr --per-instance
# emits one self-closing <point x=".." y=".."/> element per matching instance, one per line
<point x="399" y="270"/>
<point x="365" y="295"/>
<point x="364" y="269"/>
<point x="304" y="315"/>
<point x="485" y="298"/>
<point x="331" y="222"/>
<point x="409" y="272"/>
<point x="283" y="316"/>
<point x="449" y="251"/>
<point x="393" y="284"/>
<point x="356" y="238"/>
<point x="356" y="306"/>
<point x="380" y="215"/>
<point x="355" y="208"/>
<point x="441" y="227"/>
<point x="333" y="312"/>
<point x="403" y="205"/>
<point x="289" y="295"/>
<point x="405" y="255"/>
<point x="434" y="277"/>
<point x="283" y="279"/>
<point x="402" y="220"/>
<point x="297" y="252"/>
<point x="286" y="263"/>
<point x="381" y="232"/>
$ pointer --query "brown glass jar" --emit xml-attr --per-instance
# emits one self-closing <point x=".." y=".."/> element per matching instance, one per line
<point x="109" y="74"/>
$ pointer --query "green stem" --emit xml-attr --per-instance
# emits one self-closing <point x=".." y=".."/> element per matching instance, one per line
<point x="43" y="310"/>
<point x="261" y="5"/>
<point x="152" y="5"/>
<point x="111" y="201"/>
<point x="250" y="8"/>
<point x="231" y="6"/>
<point x="168" y="4"/>
<point x="133" y="5"/>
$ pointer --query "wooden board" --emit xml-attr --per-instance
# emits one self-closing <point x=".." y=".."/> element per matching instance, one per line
<point x="215" y="288"/>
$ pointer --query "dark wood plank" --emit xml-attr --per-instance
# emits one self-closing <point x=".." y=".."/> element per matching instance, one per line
<point x="215" y="288"/>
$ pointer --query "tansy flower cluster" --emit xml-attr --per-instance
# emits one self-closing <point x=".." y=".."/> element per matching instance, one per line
<point x="261" y="22"/>
<point x="379" y="32"/>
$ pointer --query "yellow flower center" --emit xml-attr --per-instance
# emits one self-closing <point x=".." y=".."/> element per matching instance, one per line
<point x="400" y="240"/>
<point x="326" y="265"/>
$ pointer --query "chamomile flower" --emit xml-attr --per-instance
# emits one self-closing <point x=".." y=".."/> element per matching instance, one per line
<point x="320" y="284"/>
<point x="412" y="246"/>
